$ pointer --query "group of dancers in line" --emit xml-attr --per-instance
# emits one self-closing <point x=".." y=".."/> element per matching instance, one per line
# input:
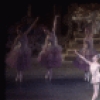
<point x="51" y="56"/>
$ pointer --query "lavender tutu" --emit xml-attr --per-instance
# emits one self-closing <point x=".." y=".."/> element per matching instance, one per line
<point x="51" y="57"/>
<point x="19" y="57"/>
<point x="12" y="56"/>
<point x="78" y="62"/>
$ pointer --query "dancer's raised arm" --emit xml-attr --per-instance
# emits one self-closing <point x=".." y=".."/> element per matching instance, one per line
<point x="82" y="57"/>
<point x="54" y="24"/>
<point x="15" y="41"/>
<point x="32" y="25"/>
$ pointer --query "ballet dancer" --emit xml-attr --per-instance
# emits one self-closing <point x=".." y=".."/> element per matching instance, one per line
<point x="94" y="68"/>
<point x="80" y="63"/>
<point x="50" y="56"/>
<point x="20" y="54"/>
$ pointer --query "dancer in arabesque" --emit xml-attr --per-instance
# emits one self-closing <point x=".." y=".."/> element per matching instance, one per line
<point x="51" y="54"/>
<point x="80" y="63"/>
<point x="89" y="39"/>
<point x="87" y="51"/>
<point x="94" y="68"/>
<point x="20" y="55"/>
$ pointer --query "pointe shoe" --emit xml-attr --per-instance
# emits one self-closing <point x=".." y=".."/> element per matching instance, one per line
<point x="88" y="79"/>
<point x="85" y="79"/>
<point x="20" y="79"/>
<point x="46" y="76"/>
<point x="16" y="79"/>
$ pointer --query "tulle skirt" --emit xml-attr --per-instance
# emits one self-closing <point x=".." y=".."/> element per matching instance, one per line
<point x="51" y="57"/>
<point x="19" y="58"/>
<point x="78" y="62"/>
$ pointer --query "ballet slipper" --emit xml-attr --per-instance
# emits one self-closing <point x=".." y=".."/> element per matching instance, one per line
<point x="17" y="77"/>
<point x="20" y="79"/>
<point x="46" y="76"/>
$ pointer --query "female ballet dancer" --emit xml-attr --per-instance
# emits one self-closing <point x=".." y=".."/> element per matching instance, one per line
<point x="94" y="68"/>
<point x="80" y="63"/>
<point x="20" y="54"/>
<point x="87" y="51"/>
<point x="89" y="38"/>
<point x="50" y="56"/>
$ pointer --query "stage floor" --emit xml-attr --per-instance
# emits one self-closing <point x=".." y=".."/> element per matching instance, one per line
<point x="67" y="84"/>
<point x="57" y="89"/>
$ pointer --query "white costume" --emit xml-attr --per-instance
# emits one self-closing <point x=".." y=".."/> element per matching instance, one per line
<point x="94" y="69"/>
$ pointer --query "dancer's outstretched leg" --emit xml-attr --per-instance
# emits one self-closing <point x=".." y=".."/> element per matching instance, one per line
<point x="47" y="74"/>
<point x="50" y="74"/>
<point x="87" y="76"/>
<point x="21" y="76"/>
<point x="95" y="91"/>
<point x="17" y="77"/>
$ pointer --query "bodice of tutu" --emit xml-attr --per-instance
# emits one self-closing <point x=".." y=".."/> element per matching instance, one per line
<point x="90" y="41"/>
<point x="52" y="39"/>
<point x="54" y="48"/>
<point x="94" y="69"/>
<point x="51" y="43"/>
